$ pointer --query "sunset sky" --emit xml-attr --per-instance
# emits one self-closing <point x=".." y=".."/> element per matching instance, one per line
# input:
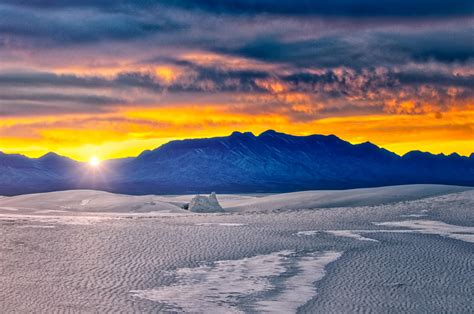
<point x="111" y="78"/>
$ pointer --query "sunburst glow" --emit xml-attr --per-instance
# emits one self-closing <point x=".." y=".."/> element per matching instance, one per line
<point x="94" y="161"/>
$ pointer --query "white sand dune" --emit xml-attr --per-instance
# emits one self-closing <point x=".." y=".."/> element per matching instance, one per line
<point x="342" y="198"/>
<point x="89" y="201"/>
<point x="77" y="201"/>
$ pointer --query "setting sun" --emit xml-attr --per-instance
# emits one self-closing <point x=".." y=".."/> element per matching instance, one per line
<point x="94" y="161"/>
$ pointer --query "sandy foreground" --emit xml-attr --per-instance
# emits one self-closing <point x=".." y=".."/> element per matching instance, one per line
<point x="402" y="248"/>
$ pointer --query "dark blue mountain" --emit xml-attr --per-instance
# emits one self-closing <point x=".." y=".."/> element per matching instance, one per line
<point x="20" y="174"/>
<point x="241" y="162"/>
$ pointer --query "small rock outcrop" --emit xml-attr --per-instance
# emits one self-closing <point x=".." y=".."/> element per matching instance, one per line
<point x="205" y="204"/>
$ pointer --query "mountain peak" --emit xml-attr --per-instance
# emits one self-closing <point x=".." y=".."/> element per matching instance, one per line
<point x="50" y="155"/>
<point x="367" y="145"/>
<point x="415" y="153"/>
<point x="53" y="157"/>
<point x="240" y="134"/>
<point x="271" y="133"/>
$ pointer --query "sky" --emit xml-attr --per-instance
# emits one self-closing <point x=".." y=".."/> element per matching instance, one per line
<point x="111" y="78"/>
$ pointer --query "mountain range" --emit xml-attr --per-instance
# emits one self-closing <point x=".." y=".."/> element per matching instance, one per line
<point x="239" y="163"/>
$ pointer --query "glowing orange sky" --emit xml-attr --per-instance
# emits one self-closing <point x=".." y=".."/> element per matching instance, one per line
<point x="111" y="79"/>
<point x="129" y="132"/>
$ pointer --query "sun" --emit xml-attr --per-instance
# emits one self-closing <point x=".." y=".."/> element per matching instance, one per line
<point x="94" y="161"/>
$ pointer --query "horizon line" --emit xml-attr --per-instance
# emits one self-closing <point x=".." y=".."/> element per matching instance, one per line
<point x="469" y="155"/>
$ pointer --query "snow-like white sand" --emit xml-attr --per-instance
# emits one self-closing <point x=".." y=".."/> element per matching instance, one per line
<point x="299" y="289"/>
<point x="434" y="227"/>
<point x="89" y="251"/>
<point x="349" y="234"/>
<point x="308" y="233"/>
<point x="88" y="201"/>
<point x="354" y="234"/>
<point x="8" y="208"/>
<point x="341" y="198"/>
<point x="413" y="215"/>
<point x="79" y="201"/>
<point x="413" y="226"/>
<point x="218" y="287"/>
<point x="224" y="224"/>
<point x="57" y="219"/>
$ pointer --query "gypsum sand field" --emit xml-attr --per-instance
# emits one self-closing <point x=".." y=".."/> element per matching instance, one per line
<point x="402" y="248"/>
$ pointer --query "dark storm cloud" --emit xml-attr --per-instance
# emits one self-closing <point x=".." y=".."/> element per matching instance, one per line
<point x="443" y="46"/>
<point x="78" y="26"/>
<point x="370" y="78"/>
<point x="70" y="3"/>
<point x="352" y="8"/>
<point x="223" y="80"/>
<point x="32" y="108"/>
<point x="326" y="51"/>
<point x="370" y="49"/>
<point x="18" y="101"/>
<point x="38" y="79"/>
<point x="54" y="97"/>
<point x="217" y="79"/>
<point x="344" y="52"/>
<point x="48" y="24"/>
<point x="435" y="78"/>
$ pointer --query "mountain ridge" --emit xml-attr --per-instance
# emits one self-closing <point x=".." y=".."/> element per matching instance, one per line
<point x="241" y="162"/>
